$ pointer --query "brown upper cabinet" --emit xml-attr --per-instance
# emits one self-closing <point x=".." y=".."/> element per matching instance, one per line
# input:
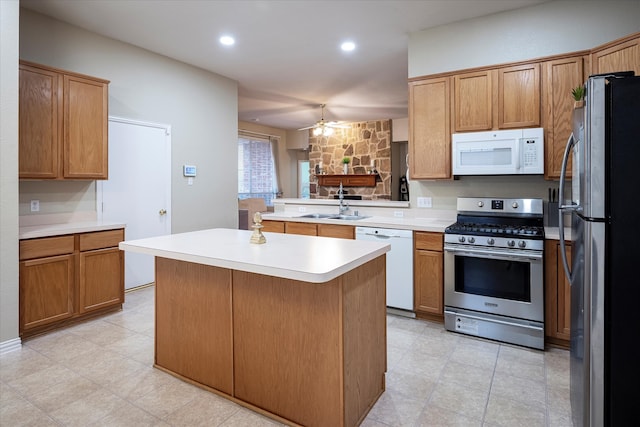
<point x="535" y="93"/>
<point x="63" y="122"/>
<point x="518" y="97"/>
<point x="620" y="55"/>
<point x="559" y="77"/>
<point x="430" y="129"/>
<point x="473" y="101"/>
<point x="501" y="98"/>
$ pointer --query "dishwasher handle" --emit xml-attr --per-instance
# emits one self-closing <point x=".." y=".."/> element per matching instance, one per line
<point x="382" y="233"/>
<point x="378" y="235"/>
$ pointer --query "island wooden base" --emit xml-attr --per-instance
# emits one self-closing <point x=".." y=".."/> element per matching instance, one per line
<point x="311" y="354"/>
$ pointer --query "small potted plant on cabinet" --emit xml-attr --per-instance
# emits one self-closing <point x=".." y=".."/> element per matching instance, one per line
<point x="345" y="164"/>
<point x="578" y="96"/>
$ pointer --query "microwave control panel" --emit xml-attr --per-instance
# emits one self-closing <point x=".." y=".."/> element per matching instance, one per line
<point x="529" y="153"/>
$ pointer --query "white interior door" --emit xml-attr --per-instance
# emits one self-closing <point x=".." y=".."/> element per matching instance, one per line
<point x="138" y="191"/>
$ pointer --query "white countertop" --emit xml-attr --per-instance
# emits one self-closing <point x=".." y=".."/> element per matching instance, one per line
<point x="59" y="229"/>
<point x="553" y="233"/>
<point x="320" y="202"/>
<point x="290" y="256"/>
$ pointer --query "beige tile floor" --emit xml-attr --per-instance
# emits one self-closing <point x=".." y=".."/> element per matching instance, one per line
<point x="99" y="373"/>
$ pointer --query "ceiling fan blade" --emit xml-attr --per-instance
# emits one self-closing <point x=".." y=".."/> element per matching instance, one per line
<point x="308" y="127"/>
<point x="337" y="125"/>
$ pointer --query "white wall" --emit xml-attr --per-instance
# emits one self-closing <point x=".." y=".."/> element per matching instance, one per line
<point x="555" y="27"/>
<point x="551" y="28"/>
<point x="9" y="10"/>
<point x="200" y="106"/>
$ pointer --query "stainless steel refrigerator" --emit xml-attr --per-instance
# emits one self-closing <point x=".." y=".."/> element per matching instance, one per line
<point x="605" y="236"/>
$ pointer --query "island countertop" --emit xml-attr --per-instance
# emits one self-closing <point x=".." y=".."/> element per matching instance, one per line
<point x="297" y="257"/>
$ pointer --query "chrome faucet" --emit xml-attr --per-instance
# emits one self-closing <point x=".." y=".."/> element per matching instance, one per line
<point x="342" y="207"/>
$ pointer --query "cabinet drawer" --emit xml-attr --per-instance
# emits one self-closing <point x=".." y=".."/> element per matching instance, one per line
<point x="273" y="226"/>
<point x="46" y="247"/>
<point x="428" y="241"/>
<point x="301" y="228"/>
<point x="101" y="239"/>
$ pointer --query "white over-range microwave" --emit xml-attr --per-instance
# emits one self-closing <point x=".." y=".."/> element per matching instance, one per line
<point x="501" y="152"/>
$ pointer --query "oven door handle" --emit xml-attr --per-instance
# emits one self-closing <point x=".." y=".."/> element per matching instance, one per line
<point x="484" y="253"/>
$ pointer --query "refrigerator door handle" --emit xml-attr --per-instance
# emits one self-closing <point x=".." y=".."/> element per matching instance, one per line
<point x="562" y="209"/>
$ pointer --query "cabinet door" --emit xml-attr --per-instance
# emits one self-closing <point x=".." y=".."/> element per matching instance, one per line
<point x="101" y="279"/>
<point x="305" y="228"/>
<point x="428" y="282"/>
<point x="273" y="226"/>
<point x="519" y="96"/>
<point x="85" y="132"/>
<point x="621" y="56"/>
<point x="46" y="291"/>
<point x="429" y="129"/>
<point x="40" y="123"/>
<point x="559" y="77"/>
<point x="557" y="295"/>
<point x="333" y="230"/>
<point x="473" y="101"/>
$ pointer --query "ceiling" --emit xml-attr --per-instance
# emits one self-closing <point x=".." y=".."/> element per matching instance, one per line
<point x="287" y="58"/>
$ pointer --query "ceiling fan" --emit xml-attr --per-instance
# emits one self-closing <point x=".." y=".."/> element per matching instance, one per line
<point x="323" y="127"/>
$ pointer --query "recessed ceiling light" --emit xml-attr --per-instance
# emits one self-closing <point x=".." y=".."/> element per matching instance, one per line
<point x="348" y="46"/>
<point x="227" y="40"/>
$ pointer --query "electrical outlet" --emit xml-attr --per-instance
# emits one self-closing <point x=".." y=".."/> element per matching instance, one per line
<point x="424" y="202"/>
<point x="35" y="206"/>
<point x="398" y="214"/>
<point x="302" y="209"/>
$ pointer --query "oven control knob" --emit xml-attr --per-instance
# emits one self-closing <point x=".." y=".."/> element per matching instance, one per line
<point x="514" y="205"/>
<point x="490" y="241"/>
<point x="472" y="240"/>
<point x="511" y="243"/>
<point x="522" y="243"/>
<point x="480" y="204"/>
<point x="461" y="239"/>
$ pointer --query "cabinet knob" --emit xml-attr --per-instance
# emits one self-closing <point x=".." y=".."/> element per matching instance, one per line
<point x="162" y="212"/>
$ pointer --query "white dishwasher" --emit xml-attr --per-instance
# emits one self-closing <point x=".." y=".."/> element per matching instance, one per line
<point x="399" y="263"/>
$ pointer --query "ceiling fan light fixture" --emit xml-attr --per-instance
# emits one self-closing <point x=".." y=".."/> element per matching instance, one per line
<point x="227" y="40"/>
<point x="348" y="46"/>
<point x="322" y="131"/>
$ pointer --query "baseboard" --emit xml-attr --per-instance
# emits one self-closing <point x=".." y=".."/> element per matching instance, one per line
<point x="137" y="288"/>
<point x="400" y="312"/>
<point x="10" y="345"/>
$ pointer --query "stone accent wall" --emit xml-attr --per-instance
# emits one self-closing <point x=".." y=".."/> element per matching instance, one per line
<point x="362" y="142"/>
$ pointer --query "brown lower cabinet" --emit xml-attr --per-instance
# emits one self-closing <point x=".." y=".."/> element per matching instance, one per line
<point x="64" y="278"/>
<point x="335" y="230"/>
<point x="273" y="226"/>
<point x="310" y="229"/>
<point x="557" y="308"/>
<point x="305" y="228"/>
<point x="428" y="275"/>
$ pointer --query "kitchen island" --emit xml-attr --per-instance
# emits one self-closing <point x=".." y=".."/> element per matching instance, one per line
<point x="294" y="328"/>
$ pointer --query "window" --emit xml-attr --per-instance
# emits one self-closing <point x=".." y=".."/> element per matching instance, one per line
<point x="256" y="169"/>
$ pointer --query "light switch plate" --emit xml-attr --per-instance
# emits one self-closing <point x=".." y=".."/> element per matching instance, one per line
<point x="35" y="206"/>
<point x="398" y="214"/>
<point x="424" y="202"/>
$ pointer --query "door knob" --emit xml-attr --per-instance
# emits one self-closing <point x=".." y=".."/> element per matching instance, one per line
<point x="162" y="212"/>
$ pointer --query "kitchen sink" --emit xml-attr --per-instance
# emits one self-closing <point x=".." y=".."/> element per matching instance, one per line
<point x="334" y="216"/>
<point x="348" y="217"/>
<point x="318" y="215"/>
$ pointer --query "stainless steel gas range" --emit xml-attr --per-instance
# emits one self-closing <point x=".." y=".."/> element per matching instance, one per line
<point x="493" y="270"/>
